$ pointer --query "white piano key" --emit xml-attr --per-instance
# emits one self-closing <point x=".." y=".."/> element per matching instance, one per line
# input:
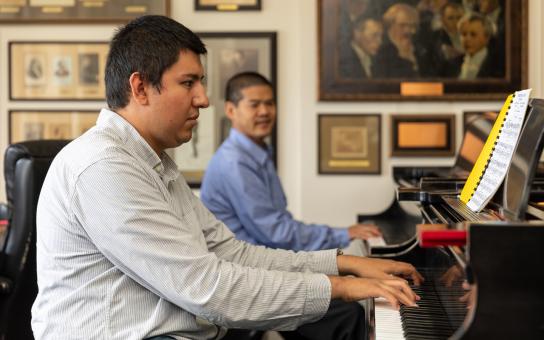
<point x="388" y="324"/>
<point x="377" y="241"/>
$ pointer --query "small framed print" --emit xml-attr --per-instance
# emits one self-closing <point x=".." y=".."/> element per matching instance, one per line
<point x="470" y="117"/>
<point x="477" y="126"/>
<point x="57" y="70"/>
<point x="228" y="5"/>
<point x="423" y="135"/>
<point x="58" y="124"/>
<point x="349" y="144"/>
<point x="89" y="11"/>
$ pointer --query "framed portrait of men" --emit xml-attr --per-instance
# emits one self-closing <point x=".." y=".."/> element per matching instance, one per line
<point x="421" y="50"/>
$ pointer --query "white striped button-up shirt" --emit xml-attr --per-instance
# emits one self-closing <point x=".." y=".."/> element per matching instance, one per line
<point x="126" y="251"/>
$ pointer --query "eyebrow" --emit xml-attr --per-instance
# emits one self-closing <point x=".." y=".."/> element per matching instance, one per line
<point x="193" y="76"/>
<point x="260" y="100"/>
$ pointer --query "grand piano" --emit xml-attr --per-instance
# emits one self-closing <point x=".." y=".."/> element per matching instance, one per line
<point x="484" y="277"/>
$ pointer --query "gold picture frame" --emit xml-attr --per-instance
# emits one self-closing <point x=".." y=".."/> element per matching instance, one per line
<point x="349" y="144"/>
<point x="228" y="5"/>
<point x="49" y="124"/>
<point x="87" y="11"/>
<point x="57" y="70"/>
<point x="423" y="135"/>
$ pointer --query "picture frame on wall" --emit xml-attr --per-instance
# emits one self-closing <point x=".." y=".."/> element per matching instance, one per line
<point x="470" y="116"/>
<point x="49" y="124"/>
<point x="57" y="70"/>
<point x="95" y="11"/>
<point x="363" y="55"/>
<point x="422" y="135"/>
<point x="349" y="144"/>
<point x="477" y="126"/>
<point x="228" y="54"/>
<point x="228" y="5"/>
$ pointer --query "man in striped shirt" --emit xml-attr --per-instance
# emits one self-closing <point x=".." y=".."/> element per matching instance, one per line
<point x="126" y="251"/>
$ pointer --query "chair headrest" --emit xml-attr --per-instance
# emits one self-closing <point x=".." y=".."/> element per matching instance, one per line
<point x="43" y="149"/>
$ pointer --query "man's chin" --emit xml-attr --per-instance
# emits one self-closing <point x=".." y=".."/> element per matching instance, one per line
<point x="184" y="139"/>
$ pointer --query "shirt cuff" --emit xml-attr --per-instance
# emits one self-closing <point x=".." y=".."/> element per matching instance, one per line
<point x="342" y="236"/>
<point x="318" y="297"/>
<point x="324" y="261"/>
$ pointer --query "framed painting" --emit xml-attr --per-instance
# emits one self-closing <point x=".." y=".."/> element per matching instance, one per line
<point x="228" y="5"/>
<point x="423" y="135"/>
<point x="349" y="144"/>
<point x="57" y="70"/>
<point x="417" y="50"/>
<point x="89" y="11"/>
<point x="54" y="124"/>
<point x="228" y="54"/>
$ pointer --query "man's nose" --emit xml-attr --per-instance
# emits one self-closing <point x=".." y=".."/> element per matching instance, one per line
<point x="201" y="99"/>
<point x="263" y="109"/>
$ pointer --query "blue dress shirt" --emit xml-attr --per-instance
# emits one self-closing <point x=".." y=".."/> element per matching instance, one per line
<point x="241" y="187"/>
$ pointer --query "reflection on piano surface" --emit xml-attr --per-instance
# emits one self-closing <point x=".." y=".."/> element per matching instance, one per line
<point x="502" y="261"/>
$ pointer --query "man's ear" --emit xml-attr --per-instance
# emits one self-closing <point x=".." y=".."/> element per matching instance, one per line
<point x="230" y="109"/>
<point x="138" y="88"/>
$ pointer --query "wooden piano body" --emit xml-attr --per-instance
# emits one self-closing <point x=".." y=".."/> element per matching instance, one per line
<point x="502" y="260"/>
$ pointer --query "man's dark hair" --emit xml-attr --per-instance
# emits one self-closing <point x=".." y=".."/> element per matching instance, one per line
<point x="238" y="82"/>
<point x="149" y="45"/>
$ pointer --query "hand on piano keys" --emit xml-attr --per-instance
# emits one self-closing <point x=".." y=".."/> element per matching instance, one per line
<point x="363" y="231"/>
<point x="396" y="291"/>
<point x="365" y="267"/>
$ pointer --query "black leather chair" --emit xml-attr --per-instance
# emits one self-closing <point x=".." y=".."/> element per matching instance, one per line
<point x="25" y="167"/>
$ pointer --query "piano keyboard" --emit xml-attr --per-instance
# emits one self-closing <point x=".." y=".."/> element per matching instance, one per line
<point x="388" y="324"/>
<point x="439" y="313"/>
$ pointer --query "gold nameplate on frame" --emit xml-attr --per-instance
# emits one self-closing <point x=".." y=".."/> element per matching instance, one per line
<point x="421" y="89"/>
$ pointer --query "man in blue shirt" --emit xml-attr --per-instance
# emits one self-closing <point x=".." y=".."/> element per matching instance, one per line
<point x="241" y="186"/>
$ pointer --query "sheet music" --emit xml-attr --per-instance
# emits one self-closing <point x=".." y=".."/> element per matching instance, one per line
<point x="497" y="153"/>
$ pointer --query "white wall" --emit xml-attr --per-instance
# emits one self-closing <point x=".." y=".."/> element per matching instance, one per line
<point x="312" y="197"/>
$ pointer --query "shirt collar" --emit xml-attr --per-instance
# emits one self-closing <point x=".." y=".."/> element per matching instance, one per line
<point x="363" y="57"/>
<point x="252" y="148"/>
<point x="477" y="58"/>
<point x="129" y="136"/>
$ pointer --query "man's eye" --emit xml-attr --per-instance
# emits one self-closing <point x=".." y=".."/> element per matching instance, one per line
<point x="187" y="83"/>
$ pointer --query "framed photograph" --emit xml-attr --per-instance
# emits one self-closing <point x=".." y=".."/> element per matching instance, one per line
<point x="57" y="70"/>
<point x="228" y="54"/>
<point x="421" y="50"/>
<point x="477" y="126"/>
<point x="469" y="117"/>
<point x="423" y="135"/>
<point x="40" y="124"/>
<point x="88" y="11"/>
<point x="349" y="144"/>
<point x="228" y="5"/>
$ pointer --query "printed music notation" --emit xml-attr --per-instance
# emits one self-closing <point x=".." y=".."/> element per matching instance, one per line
<point x="494" y="160"/>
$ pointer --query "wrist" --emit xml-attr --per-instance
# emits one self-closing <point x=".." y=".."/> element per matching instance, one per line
<point x="336" y="286"/>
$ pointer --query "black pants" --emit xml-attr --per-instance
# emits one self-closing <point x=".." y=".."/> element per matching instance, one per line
<point x="343" y="321"/>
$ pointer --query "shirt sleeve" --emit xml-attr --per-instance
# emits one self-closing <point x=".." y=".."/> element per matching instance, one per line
<point x="132" y="221"/>
<point x="269" y="224"/>
<point x="223" y="243"/>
